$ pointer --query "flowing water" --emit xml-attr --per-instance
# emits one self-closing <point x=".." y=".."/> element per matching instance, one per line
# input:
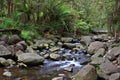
<point x="49" y="69"/>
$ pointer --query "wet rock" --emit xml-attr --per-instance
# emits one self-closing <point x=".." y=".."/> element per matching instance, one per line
<point x="88" y="72"/>
<point x="108" y="68"/>
<point x="2" y="61"/>
<point x="7" y="74"/>
<point x="84" y="61"/>
<point x="54" y="49"/>
<point x="103" y="75"/>
<point x="115" y="76"/>
<point x="54" y="56"/>
<point x="86" y="40"/>
<point x="80" y="46"/>
<point x="14" y="39"/>
<point x="22" y="65"/>
<point x="58" y="78"/>
<point x="67" y="56"/>
<point x="61" y="75"/>
<point x="41" y="44"/>
<point x="94" y="46"/>
<point x="69" y="45"/>
<point x="66" y="39"/>
<point x="69" y="69"/>
<point x="46" y="55"/>
<point x="11" y="62"/>
<point x="112" y="53"/>
<point x="30" y="58"/>
<point x="75" y="40"/>
<point x="60" y="43"/>
<point x="4" y="52"/>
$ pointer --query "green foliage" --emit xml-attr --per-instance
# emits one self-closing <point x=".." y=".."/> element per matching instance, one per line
<point x="82" y="26"/>
<point x="9" y="23"/>
<point x="57" y="14"/>
<point x="70" y="15"/>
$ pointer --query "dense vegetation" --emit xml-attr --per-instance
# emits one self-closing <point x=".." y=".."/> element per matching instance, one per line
<point x="34" y="17"/>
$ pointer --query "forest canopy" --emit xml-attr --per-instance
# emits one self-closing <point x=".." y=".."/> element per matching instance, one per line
<point x="59" y="15"/>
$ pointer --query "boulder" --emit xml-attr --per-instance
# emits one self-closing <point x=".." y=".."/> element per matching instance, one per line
<point x="69" y="45"/>
<point x="24" y="44"/>
<point x="112" y="53"/>
<point x="108" y="68"/>
<point x="101" y="37"/>
<point x="99" y="53"/>
<point x="14" y="39"/>
<point x="102" y="75"/>
<point x="66" y="39"/>
<point x="18" y="47"/>
<point x="4" y="38"/>
<point x="97" y="60"/>
<point x="94" y="46"/>
<point x="2" y="42"/>
<point x="88" y="72"/>
<point x="86" y="40"/>
<point x="114" y="76"/>
<point x="54" y="56"/>
<point x="30" y="58"/>
<point x="4" y="52"/>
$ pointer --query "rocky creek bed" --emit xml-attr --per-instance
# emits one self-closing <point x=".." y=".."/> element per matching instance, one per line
<point x="60" y="58"/>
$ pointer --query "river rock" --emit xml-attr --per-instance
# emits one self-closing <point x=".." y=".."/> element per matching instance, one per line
<point x="101" y="37"/>
<point x="54" y="56"/>
<point x="14" y="39"/>
<point x="4" y="38"/>
<point x="94" y="46"/>
<point x="7" y="74"/>
<point x="66" y="39"/>
<point x="30" y="58"/>
<point x="102" y="75"/>
<point x="114" y="76"/>
<point x="19" y="46"/>
<point x="112" y="53"/>
<point x="2" y="43"/>
<point x="2" y="61"/>
<point x="54" y="49"/>
<point x="22" y="65"/>
<point x="88" y="72"/>
<point x="58" y="78"/>
<point x="29" y="49"/>
<point x="108" y="68"/>
<point x="69" y="45"/>
<point x="24" y="44"/>
<point x="4" y="52"/>
<point x="69" y="69"/>
<point x="86" y="40"/>
<point x="11" y="62"/>
<point x="97" y="60"/>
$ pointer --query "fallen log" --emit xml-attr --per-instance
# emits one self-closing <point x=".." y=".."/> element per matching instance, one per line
<point x="13" y="31"/>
